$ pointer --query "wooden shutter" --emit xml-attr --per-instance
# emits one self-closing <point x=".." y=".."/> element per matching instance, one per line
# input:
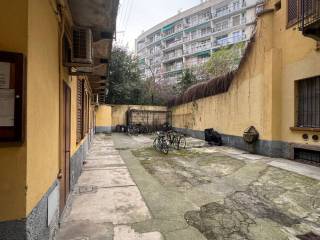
<point x="80" y="90"/>
<point x="293" y="12"/>
<point x="85" y="113"/>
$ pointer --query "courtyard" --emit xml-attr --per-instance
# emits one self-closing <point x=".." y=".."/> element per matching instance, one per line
<point x="128" y="190"/>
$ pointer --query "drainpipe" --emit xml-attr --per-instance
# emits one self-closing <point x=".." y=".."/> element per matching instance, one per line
<point x="60" y="6"/>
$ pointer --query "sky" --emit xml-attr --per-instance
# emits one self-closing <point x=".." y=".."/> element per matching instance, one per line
<point x="135" y="16"/>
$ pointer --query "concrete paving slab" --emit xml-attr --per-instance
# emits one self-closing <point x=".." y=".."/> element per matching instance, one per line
<point x="142" y="139"/>
<point x="300" y="168"/>
<point x="231" y="194"/>
<point x="253" y="156"/>
<point x="119" y="205"/>
<point x="102" y="163"/>
<point x="195" y="194"/>
<point x="86" y="230"/>
<point x="103" y="152"/>
<point x="123" y="232"/>
<point x="109" y="157"/>
<point x="233" y="151"/>
<point x="106" y="178"/>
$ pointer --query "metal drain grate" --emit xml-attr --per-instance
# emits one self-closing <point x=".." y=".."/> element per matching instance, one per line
<point x="309" y="236"/>
<point x="86" y="189"/>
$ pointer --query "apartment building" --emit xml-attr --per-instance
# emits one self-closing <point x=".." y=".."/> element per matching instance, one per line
<point x="190" y="37"/>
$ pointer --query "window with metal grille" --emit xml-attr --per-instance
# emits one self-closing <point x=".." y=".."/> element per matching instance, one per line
<point x="80" y="90"/>
<point x="309" y="156"/>
<point x="308" y="108"/>
<point x="293" y="12"/>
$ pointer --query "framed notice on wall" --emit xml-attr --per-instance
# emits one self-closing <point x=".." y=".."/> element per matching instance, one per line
<point x="11" y="97"/>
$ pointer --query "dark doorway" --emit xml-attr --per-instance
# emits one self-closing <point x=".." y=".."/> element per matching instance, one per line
<point x="65" y="161"/>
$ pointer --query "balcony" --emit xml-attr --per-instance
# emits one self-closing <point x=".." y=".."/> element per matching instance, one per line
<point x="309" y="19"/>
<point x="230" y="24"/>
<point x="230" y="40"/>
<point x="196" y="23"/>
<point x="229" y="10"/>
<point x="173" y="44"/>
<point x="154" y="54"/>
<point x="197" y="49"/>
<point x="198" y="36"/>
<point x="154" y="40"/>
<point x="170" y="57"/>
<point x="173" y="68"/>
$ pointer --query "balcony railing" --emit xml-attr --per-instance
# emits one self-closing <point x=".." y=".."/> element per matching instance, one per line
<point x="172" y="56"/>
<point x="172" y="68"/>
<point x="230" y="24"/>
<point x="196" y="23"/>
<point x="229" y="10"/>
<point x="309" y="18"/>
<point x="198" y="35"/>
<point x="230" y="40"/>
<point x="173" y="44"/>
<point x="154" y="40"/>
<point x="198" y="49"/>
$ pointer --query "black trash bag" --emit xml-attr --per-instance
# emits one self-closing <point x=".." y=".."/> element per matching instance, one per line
<point x="118" y="128"/>
<point x="212" y="137"/>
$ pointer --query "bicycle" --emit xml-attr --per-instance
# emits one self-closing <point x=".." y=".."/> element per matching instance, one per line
<point x="180" y="141"/>
<point x="177" y="140"/>
<point x="133" y="130"/>
<point x="160" y="143"/>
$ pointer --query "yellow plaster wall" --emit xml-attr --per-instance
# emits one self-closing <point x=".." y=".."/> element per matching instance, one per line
<point x="14" y="33"/>
<point x="119" y="112"/>
<point x="300" y="60"/>
<point x="103" y="116"/>
<point x="244" y="104"/>
<point x="262" y="94"/>
<point x="43" y="101"/>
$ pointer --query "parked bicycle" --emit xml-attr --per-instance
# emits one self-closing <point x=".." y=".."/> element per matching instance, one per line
<point x="177" y="140"/>
<point x="160" y="143"/>
<point x="133" y="130"/>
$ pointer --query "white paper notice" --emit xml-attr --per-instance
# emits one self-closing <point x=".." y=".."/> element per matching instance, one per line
<point x="7" y="97"/>
<point x="4" y="75"/>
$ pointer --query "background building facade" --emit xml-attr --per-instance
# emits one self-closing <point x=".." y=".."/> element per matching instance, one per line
<point x="189" y="38"/>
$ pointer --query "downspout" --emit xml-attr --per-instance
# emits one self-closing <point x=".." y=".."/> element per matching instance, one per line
<point x="60" y="6"/>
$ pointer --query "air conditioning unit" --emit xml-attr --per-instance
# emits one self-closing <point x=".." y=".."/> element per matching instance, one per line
<point x="82" y="52"/>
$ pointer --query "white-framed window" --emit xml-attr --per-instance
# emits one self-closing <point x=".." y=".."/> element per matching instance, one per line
<point x="236" y="20"/>
<point x="236" y="36"/>
<point x="222" y="40"/>
<point x="236" y="5"/>
<point x="222" y="25"/>
<point x="222" y="11"/>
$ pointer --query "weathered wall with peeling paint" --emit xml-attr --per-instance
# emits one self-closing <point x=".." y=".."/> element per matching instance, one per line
<point x="119" y="112"/>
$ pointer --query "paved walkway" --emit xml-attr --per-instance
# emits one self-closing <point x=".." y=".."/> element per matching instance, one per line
<point x="128" y="191"/>
<point x="105" y="201"/>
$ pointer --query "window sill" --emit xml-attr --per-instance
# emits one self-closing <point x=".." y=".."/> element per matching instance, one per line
<point x="303" y="129"/>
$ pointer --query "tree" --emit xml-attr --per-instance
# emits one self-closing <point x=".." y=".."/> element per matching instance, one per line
<point x="224" y="60"/>
<point x="188" y="79"/>
<point x="125" y="83"/>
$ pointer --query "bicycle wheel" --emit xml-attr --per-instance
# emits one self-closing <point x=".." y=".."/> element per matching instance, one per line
<point x="182" y="142"/>
<point x="164" y="147"/>
<point x="155" y="143"/>
<point x="175" y="142"/>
